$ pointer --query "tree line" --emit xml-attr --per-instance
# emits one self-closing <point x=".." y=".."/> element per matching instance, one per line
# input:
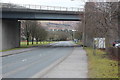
<point x="33" y="31"/>
<point x="101" y="21"/>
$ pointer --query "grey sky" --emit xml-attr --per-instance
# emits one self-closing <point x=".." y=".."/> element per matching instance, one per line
<point x="62" y="3"/>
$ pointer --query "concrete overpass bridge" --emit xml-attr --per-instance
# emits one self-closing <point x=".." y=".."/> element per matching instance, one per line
<point x="37" y="12"/>
<point x="11" y="13"/>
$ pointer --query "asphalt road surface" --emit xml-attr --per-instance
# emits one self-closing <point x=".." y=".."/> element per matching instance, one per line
<point x="27" y="64"/>
<point x="63" y="44"/>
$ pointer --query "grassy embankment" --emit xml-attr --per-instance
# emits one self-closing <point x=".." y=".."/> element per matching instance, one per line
<point x="100" y="66"/>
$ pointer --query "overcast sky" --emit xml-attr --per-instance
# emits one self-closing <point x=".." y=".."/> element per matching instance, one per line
<point x="63" y="3"/>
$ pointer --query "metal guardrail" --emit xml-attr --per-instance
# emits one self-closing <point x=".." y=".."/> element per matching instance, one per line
<point x="40" y="7"/>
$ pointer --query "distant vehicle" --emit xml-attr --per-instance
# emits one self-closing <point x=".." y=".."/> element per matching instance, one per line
<point x="75" y="40"/>
<point x="116" y="43"/>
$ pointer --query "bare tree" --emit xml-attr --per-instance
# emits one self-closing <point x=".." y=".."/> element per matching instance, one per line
<point x="100" y="21"/>
<point x="79" y="31"/>
<point x="40" y="33"/>
<point x="33" y="28"/>
<point x="26" y="30"/>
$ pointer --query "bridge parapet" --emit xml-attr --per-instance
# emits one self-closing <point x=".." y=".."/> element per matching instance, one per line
<point x="40" y="7"/>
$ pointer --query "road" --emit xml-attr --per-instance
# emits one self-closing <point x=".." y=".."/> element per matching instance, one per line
<point x="27" y="64"/>
<point x="63" y="44"/>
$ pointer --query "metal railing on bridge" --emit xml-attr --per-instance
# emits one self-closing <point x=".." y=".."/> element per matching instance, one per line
<point x="40" y="7"/>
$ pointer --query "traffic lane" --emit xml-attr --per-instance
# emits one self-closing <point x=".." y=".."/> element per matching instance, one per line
<point x="14" y="61"/>
<point x="63" y="43"/>
<point x="20" y="56"/>
<point x="33" y="63"/>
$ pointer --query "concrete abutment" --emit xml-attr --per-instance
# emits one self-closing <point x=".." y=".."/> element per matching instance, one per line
<point x="10" y="34"/>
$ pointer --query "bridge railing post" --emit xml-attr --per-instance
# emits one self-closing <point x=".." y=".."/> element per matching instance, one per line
<point x="66" y="9"/>
<point x="72" y="8"/>
<point x="29" y="5"/>
<point x="35" y="6"/>
<point x="40" y="7"/>
<point x="60" y="8"/>
<point x="78" y="9"/>
<point x="47" y="8"/>
<point x="54" y="7"/>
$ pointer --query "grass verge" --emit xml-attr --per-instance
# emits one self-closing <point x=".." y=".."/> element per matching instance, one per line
<point x="24" y="44"/>
<point x="100" y="66"/>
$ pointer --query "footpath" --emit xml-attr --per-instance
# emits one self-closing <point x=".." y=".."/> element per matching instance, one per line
<point x="74" y="66"/>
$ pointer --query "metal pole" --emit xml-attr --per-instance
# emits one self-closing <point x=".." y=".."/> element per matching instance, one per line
<point x="66" y="9"/>
<point x="84" y="30"/>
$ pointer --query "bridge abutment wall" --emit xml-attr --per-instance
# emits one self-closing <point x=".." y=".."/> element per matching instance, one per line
<point x="10" y="34"/>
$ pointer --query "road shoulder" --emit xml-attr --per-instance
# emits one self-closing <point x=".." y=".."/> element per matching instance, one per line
<point x="12" y="52"/>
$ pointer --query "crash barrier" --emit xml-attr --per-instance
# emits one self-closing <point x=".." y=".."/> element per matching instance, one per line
<point x="114" y="52"/>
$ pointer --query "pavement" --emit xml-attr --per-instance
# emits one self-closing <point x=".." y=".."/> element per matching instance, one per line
<point x="74" y="66"/>
<point x="45" y="62"/>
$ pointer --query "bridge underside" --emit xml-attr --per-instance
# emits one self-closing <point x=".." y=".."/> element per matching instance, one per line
<point x="40" y="16"/>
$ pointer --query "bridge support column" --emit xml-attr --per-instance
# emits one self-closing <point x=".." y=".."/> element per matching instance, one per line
<point x="10" y="34"/>
<point x="0" y="34"/>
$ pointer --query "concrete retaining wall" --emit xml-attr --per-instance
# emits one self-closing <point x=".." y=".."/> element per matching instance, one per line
<point x="10" y="34"/>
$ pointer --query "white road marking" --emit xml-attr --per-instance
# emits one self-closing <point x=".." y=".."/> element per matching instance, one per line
<point x="24" y="60"/>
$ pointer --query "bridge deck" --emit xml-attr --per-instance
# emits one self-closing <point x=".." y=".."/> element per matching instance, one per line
<point x="23" y="13"/>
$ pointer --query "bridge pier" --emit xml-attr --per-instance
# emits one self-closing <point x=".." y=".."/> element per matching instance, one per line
<point x="10" y="34"/>
<point x="0" y="34"/>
